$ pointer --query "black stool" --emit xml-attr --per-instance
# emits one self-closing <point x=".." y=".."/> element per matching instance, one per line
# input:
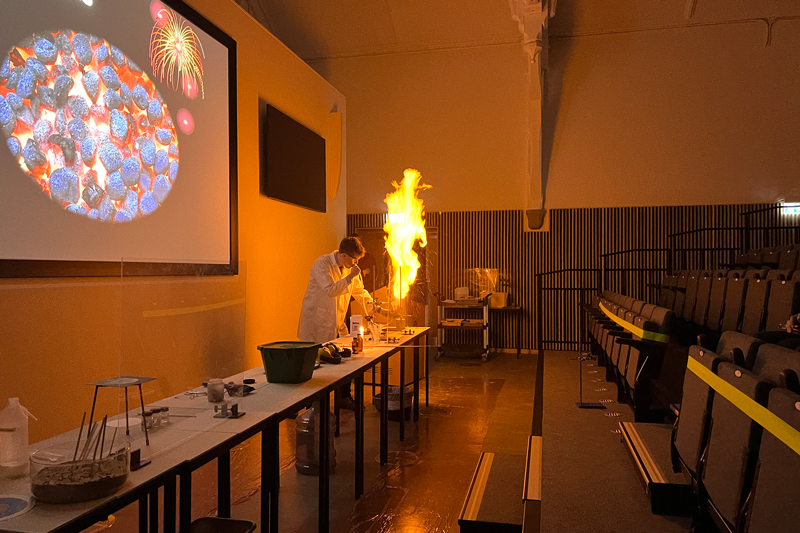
<point x="213" y="524"/>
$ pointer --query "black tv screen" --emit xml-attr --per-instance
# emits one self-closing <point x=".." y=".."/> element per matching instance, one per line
<point x="292" y="160"/>
<point x="118" y="123"/>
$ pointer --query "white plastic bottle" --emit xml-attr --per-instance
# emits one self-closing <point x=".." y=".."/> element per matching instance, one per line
<point x="14" y="439"/>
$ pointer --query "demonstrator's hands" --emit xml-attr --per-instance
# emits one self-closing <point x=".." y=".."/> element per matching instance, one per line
<point x="354" y="271"/>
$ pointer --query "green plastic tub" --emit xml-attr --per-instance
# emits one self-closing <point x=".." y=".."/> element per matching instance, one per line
<point x="289" y="361"/>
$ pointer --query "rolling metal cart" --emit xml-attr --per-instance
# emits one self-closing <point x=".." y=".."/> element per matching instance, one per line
<point x="452" y="324"/>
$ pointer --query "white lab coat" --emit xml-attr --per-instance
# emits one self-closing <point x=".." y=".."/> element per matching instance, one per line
<point x="326" y="300"/>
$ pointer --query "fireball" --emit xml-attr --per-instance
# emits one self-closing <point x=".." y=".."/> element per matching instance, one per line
<point x="405" y="225"/>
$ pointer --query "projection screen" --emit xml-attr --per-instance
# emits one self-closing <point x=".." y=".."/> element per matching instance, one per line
<point x="119" y="139"/>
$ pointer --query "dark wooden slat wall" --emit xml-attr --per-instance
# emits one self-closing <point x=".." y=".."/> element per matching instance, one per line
<point x="576" y="240"/>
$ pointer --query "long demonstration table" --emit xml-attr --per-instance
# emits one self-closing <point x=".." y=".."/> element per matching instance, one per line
<point x="195" y="437"/>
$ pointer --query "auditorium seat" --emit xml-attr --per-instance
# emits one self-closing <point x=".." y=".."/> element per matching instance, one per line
<point x="783" y="301"/>
<point x="771" y="257"/>
<point x="716" y="300"/>
<point x="690" y="296"/>
<point x="772" y="360"/>
<point x="726" y="471"/>
<point x="680" y="291"/>
<point x="702" y="300"/>
<point x="755" y="304"/>
<point x="734" y="302"/>
<point x="666" y="291"/>
<point x="645" y="359"/>
<point x="787" y="259"/>
<point x="776" y="478"/>
<point x="779" y="274"/>
<point x="691" y="427"/>
<point x="730" y="341"/>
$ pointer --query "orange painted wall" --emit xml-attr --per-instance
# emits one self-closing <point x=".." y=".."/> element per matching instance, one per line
<point x="57" y="335"/>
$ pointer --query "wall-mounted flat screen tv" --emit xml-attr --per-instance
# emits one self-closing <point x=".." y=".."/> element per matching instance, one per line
<point x="292" y="160"/>
<point x="118" y="124"/>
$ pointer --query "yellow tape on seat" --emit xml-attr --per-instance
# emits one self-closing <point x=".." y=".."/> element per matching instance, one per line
<point x="639" y="332"/>
<point x="757" y="412"/>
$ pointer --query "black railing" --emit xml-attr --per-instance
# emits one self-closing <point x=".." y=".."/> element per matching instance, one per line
<point x="633" y="273"/>
<point x="637" y="276"/>
<point x="747" y="241"/>
<point x="581" y="290"/>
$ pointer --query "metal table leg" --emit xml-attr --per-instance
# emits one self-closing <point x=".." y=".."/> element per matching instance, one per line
<point x="402" y="394"/>
<point x="170" y="489"/>
<point x="270" y="476"/>
<point x="154" y="510"/>
<point x="127" y="420"/>
<point x="324" y="465"/>
<point x="336" y="409"/>
<point x="384" y="412"/>
<point x="143" y="514"/>
<point x="224" y="484"/>
<point x="427" y="373"/>
<point x="359" y="398"/>
<point x="141" y="398"/>
<point x="416" y="380"/>
<point x="185" y="510"/>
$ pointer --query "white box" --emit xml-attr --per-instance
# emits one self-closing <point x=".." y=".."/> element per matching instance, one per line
<point x="355" y="325"/>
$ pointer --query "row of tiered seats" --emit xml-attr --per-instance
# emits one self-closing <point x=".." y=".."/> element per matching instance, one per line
<point x="737" y="474"/>
<point x="632" y="362"/>
<point x="780" y="257"/>
<point x="749" y="301"/>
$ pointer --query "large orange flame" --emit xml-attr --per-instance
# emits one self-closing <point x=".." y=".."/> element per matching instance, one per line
<point x="404" y="226"/>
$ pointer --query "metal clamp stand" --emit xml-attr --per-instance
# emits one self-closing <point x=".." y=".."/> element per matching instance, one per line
<point x="222" y="411"/>
<point x="123" y="382"/>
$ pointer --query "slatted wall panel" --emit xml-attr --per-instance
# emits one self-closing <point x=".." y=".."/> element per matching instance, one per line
<point x="576" y="239"/>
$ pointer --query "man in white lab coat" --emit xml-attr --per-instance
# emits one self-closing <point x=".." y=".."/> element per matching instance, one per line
<point x="334" y="279"/>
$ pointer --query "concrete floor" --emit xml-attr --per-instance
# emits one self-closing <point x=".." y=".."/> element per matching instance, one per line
<point x="589" y="483"/>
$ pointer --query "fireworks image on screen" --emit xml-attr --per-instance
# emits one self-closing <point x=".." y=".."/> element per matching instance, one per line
<point x="176" y="53"/>
<point x="88" y="125"/>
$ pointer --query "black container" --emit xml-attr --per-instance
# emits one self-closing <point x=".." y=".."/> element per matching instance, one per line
<point x="289" y="361"/>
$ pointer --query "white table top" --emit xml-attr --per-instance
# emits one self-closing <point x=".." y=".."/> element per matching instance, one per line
<point x="188" y="437"/>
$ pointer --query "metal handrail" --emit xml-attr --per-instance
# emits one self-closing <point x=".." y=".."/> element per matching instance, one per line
<point x="630" y="250"/>
<point x="701" y="230"/>
<point x="540" y="298"/>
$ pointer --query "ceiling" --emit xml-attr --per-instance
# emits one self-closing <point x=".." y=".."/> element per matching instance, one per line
<point x="324" y="29"/>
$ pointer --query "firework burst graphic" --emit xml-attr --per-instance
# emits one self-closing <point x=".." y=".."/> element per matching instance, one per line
<point x="176" y="53"/>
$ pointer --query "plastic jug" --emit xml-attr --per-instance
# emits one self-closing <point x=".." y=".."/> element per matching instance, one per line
<point x="307" y="446"/>
<point x="14" y="439"/>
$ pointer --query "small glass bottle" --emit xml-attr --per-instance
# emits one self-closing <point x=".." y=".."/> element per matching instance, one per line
<point x="147" y="420"/>
<point x="156" y="416"/>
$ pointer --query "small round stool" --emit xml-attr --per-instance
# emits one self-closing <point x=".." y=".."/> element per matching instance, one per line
<point x="213" y="524"/>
